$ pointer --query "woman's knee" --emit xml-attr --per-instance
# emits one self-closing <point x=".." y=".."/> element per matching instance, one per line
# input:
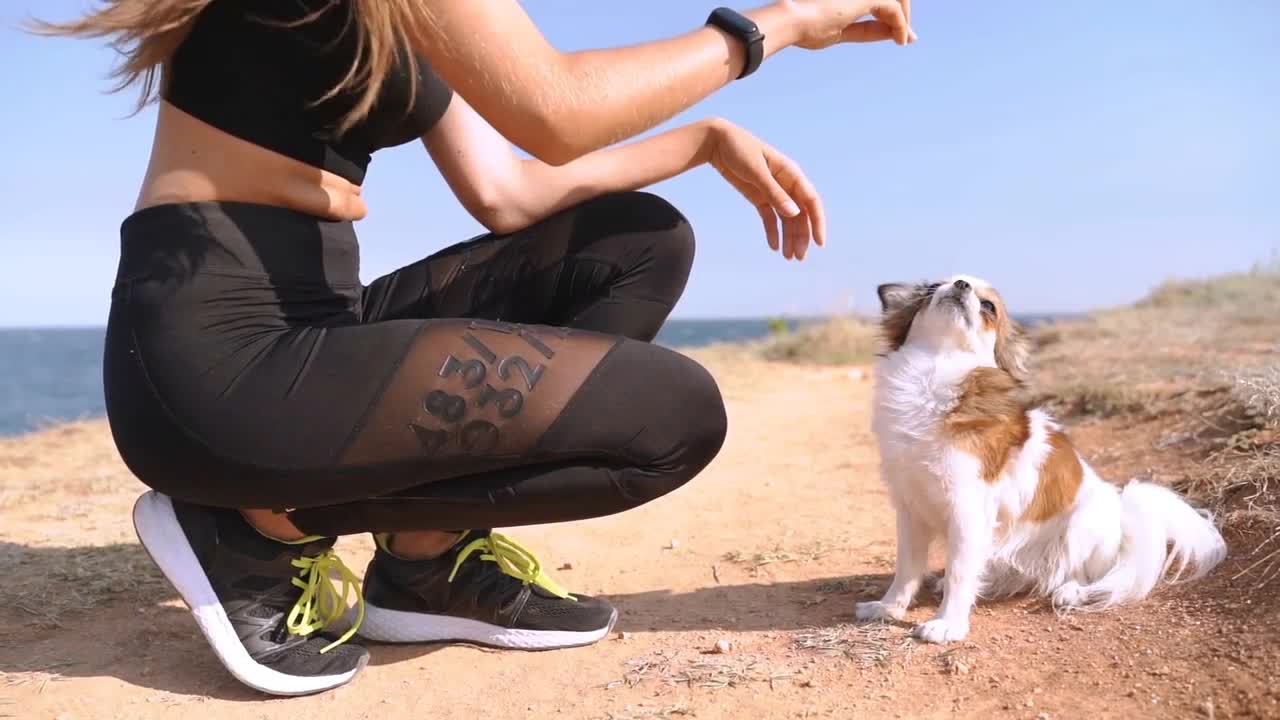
<point x="665" y="231"/>
<point x="685" y="426"/>
<point x="644" y="406"/>
<point x="702" y="429"/>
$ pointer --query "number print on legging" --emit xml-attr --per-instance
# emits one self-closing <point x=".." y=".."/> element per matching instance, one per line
<point x="441" y="404"/>
<point x="525" y="334"/>
<point x="430" y="439"/>
<point x="473" y="371"/>
<point x="509" y="401"/>
<point x="479" y="346"/>
<point x="531" y="374"/>
<point x="478" y="436"/>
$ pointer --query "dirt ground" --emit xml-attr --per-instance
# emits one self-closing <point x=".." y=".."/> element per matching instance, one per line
<point x="768" y="550"/>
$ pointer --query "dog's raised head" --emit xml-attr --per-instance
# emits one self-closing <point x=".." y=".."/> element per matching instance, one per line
<point x="961" y="314"/>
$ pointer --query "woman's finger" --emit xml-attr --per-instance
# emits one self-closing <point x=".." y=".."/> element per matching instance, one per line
<point x="770" y="220"/>
<point x="867" y="31"/>
<point x="764" y="180"/>
<point x="811" y="203"/>
<point x="760" y="202"/>
<point x="893" y="14"/>
<point x="797" y="230"/>
<point x="798" y="187"/>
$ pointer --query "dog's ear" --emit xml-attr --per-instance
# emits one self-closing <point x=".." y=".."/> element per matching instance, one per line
<point x="1013" y="350"/>
<point x="899" y="303"/>
<point x="895" y="296"/>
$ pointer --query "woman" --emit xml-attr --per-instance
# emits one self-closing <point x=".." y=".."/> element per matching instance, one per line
<point x="273" y="402"/>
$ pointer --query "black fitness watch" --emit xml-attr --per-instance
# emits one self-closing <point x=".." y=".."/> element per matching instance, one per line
<point x="745" y="31"/>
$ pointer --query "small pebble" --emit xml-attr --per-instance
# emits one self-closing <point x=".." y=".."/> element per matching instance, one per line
<point x="566" y="566"/>
<point x="624" y="635"/>
<point x="723" y="646"/>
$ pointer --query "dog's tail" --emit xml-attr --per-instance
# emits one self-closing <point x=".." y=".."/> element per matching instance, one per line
<point x="1159" y="531"/>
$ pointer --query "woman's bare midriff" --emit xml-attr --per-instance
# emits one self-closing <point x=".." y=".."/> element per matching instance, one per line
<point x="192" y="161"/>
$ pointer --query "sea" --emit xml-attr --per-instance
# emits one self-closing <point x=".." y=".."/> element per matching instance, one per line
<point x="51" y="375"/>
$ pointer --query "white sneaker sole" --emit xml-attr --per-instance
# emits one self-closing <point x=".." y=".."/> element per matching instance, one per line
<point x="157" y="527"/>
<point x="398" y="626"/>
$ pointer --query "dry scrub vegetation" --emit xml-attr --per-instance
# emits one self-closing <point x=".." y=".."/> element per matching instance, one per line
<point x="1198" y="364"/>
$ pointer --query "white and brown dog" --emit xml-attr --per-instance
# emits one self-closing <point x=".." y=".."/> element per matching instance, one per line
<point x="966" y="459"/>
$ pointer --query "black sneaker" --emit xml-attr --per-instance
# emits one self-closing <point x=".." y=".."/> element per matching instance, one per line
<point x="261" y="604"/>
<point x="486" y="590"/>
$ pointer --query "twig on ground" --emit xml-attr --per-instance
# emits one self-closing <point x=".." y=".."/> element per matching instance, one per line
<point x="869" y="644"/>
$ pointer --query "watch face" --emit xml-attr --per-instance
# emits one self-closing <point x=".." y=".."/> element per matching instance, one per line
<point x="737" y="21"/>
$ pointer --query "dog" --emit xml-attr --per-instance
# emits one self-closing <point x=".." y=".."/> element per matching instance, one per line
<point x="966" y="458"/>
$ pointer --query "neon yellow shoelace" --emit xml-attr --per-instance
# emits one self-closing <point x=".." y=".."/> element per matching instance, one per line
<point x="513" y="560"/>
<point x="320" y="604"/>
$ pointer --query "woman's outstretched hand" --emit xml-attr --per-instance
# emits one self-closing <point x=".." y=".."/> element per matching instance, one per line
<point x="823" y="23"/>
<point x="774" y="184"/>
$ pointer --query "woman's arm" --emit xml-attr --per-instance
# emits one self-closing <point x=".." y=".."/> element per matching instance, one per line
<point x="559" y="106"/>
<point x="505" y="192"/>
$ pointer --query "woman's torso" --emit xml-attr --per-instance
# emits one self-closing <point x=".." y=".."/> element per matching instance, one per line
<point x="240" y="117"/>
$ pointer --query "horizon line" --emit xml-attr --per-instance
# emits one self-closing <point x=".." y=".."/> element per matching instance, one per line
<point x="687" y="318"/>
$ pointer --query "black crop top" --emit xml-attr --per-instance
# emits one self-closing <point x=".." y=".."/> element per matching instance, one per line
<point x="259" y="81"/>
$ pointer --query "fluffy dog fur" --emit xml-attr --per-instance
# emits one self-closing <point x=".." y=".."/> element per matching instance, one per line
<point x="965" y="459"/>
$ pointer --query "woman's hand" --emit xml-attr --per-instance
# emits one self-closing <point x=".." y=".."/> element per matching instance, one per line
<point x="823" y="23"/>
<point x="774" y="184"/>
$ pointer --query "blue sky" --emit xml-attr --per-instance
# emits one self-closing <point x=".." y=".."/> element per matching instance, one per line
<point x="1073" y="157"/>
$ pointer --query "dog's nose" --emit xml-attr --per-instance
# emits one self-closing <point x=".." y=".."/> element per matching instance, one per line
<point x="960" y="285"/>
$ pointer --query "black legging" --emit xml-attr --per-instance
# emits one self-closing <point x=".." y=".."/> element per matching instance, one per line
<point x="504" y="381"/>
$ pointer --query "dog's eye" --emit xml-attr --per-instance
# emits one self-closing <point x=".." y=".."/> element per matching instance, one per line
<point x="988" y="307"/>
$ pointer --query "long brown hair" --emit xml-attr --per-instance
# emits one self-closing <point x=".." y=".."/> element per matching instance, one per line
<point x="147" y="32"/>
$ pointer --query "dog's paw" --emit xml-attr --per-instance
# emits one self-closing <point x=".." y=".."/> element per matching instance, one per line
<point x="941" y="631"/>
<point x="1070" y="594"/>
<point x="876" y="610"/>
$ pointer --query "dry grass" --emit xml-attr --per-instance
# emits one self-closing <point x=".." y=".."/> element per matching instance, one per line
<point x="1251" y="291"/>
<point x="845" y="340"/>
<point x="755" y="561"/>
<point x="702" y="672"/>
<point x="48" y="583"/>
<point x="839" y="341"/>
<point x="640" y="712"/>
<point x="732" y="672"/>
<point x="868" y="644"/>
<point x="1259" y="391"/>
<point x="38" y="672"/>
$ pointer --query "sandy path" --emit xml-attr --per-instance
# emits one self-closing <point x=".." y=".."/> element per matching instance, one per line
<point x="796" y="484"/>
